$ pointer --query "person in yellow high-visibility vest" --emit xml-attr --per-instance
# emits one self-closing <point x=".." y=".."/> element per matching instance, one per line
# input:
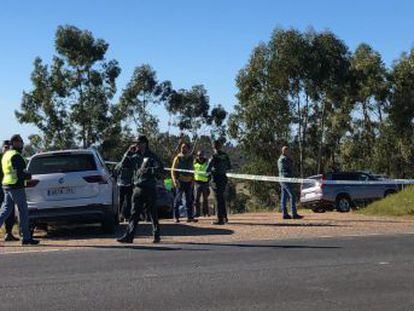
<point x="10" y="221"/>
<point x="14" y="179"/>
<point x="202" y="184"/>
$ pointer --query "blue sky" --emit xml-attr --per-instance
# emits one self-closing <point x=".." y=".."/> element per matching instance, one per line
<point x="187" y="42"/>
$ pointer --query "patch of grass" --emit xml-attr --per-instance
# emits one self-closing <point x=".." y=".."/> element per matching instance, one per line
<point x="398" y="204"/>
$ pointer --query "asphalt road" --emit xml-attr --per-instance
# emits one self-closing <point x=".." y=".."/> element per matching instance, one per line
<point x="373" y="273"/>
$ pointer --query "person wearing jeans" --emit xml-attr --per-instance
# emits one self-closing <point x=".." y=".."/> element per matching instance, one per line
<point x="15" y="176"/>
<point x="10" y="221"/>
<point x="288" y="194"/>
<point x="183" y="182"/>
<point x="285" y="165"/>
<point x="184" y="189"/>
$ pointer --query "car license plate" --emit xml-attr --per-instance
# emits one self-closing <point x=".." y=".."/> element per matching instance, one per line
<point x="60" y="191"/>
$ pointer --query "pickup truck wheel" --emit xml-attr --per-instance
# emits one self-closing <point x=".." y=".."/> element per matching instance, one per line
<point x="318" y="209"/>
<point x="343" y="204"/>
<point x="389" y="192"/>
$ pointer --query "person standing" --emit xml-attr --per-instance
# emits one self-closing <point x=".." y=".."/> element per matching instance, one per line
<point x="202" y="187"/>
<point x="125" y="172"/>
<point x="285" y="166"/>
<point x="218" y="166"/>
<point x="15" y="177"/>
<point x="183" y="182"/>
<point x="146" y="168"/>
<point x="10" y="221"/>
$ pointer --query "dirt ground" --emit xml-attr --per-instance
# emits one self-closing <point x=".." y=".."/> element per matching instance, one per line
<point x="241" y="227"/>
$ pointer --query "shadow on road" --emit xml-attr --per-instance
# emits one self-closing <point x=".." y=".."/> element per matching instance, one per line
<point x="144" y="230"/>
<point x="108" y="247"/>
<point x="286" y="224"/>
<point x="263" y="245"/>
<point x="385" y="221"/>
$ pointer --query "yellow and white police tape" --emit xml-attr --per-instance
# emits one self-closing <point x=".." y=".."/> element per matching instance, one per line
<point x="278" y="179"/>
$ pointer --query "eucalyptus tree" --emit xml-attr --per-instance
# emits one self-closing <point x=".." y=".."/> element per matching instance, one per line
<point x="142" y="94"/>
<point x="71" y="101"/>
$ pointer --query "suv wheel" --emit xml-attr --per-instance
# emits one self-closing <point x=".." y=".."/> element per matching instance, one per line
<point x="389" y="192"/>
<point x="343" y="204"/>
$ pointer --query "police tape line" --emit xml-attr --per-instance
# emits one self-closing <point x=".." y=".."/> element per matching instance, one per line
<point x="278" y="179"/>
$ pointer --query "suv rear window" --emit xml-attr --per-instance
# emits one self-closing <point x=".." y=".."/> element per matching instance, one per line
<point x="62" y="163"/>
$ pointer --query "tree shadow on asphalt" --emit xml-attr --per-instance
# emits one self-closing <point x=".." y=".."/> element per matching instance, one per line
<point x="276" y="246"/>
<point x="94" y="246"/>
<point x="286" y="224"/>
<point x="366" y="220"/>
<point x="144" y="230"/>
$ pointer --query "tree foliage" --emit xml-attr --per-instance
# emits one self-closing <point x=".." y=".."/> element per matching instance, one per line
<point x="71" y="102"/>
<point x="336" y="109"/>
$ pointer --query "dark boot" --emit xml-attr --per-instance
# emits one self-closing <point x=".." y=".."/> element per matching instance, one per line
<point x="30" y="242"/>
<point x="9" y="237"/>
<point x="126" y="239"/>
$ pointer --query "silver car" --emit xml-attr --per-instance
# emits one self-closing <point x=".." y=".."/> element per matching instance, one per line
<point x="321" y="195"/>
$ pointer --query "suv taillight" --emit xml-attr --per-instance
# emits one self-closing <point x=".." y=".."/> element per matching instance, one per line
<point x="321" y="183"/>
<point x="95" y="179"/>
<point x="32" y="183"/>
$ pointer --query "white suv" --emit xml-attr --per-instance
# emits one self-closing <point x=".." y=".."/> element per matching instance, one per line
<point x="72" y="186"/>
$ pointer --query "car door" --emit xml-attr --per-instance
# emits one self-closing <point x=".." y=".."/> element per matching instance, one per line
<point x="356" y="189"/>
<point x="375" y="189"/>
<point x="367" y="190"/>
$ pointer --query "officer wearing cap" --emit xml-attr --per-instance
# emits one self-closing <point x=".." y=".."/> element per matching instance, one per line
<point x="15" y="177"/>
<point x="10" y="221"/>
<point x="147" y="168"/>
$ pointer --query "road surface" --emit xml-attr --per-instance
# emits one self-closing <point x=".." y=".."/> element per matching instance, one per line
<point x="352" y="273"/>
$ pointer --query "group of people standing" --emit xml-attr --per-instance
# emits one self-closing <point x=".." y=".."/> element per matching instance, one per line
<point x="190" y="173"/>
<point x="140" y="169"/>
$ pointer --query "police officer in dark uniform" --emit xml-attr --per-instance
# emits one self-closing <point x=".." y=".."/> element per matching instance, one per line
<point x="124" y="172"/>
<point x="10" y="221"/>
<point x="218" y="166"/>
<point x="146" y="168"/>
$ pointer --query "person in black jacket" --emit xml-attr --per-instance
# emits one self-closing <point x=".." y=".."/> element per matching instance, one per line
<point x="124" y="179"/>
<point x="11" y="220"/>
<point x="218" y="166"/>
<point x="147" y="168"/>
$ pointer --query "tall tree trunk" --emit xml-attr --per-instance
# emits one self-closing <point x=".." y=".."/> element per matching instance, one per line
<point x="300" y="129"/>
<point x="305" y="126"/>
<point x="81" y="104"/>
<point x="323" y="116"/>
